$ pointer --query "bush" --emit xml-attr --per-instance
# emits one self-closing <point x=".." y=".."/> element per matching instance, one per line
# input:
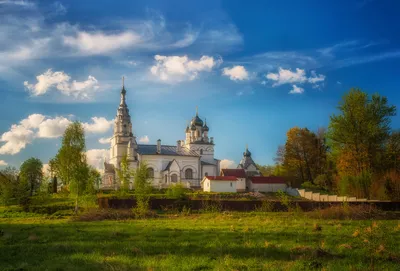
<point x="309" y="185"/>
<point x="95" y="214"/>
<point x="357" y="186"/>
<point x="176" y="191"/>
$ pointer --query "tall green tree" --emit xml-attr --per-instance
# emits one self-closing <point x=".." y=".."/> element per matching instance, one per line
<point x="124" y="173"/>
<point x="70" y="161"/>
<point x="8" y="184"/>
<point x="142" y="190"/>
<point x="31" y="175"/>
<point x="358" y="133"/>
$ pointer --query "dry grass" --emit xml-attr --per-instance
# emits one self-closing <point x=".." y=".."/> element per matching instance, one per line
<point x="104" y="214"/>
<point x="354" y="212"/>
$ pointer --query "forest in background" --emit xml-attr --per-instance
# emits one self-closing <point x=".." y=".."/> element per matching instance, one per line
<point x="358" y="154"/>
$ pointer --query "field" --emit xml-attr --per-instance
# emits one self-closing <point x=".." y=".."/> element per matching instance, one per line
<point x="215" y="241"/>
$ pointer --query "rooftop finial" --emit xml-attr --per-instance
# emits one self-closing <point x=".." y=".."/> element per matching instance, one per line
<point x="247" y="147"/>
<point x="123" y="83"/>
<point x="197" y="110"/>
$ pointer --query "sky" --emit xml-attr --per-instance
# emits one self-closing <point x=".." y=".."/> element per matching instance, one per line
<point x="254" y="69"/>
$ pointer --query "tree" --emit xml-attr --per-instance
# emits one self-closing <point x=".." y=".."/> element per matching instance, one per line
<point x="142" y="190"/>
<point x="304" y="154"/>
<point x="8" y="184"/>
<point x="358" y="133"/>
<point x="393" y="151"/>
<point x="70" y="161"/>
<point x="266" y="170"/>
<point x="31" y="175"/>
<point x="124" y="174"/>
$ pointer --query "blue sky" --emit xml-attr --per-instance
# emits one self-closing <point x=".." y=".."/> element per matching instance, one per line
<point x="254" y="69"/>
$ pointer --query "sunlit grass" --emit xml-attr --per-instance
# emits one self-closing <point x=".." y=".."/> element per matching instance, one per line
<point x="225" y="241"/>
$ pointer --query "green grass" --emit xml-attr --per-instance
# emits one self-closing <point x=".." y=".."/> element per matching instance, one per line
<point x="227" y="241"/>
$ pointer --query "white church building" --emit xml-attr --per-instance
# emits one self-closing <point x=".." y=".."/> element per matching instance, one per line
<point x="187" y="162"/>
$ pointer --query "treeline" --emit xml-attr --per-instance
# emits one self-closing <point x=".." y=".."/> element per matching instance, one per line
<point x="358" y="154"/>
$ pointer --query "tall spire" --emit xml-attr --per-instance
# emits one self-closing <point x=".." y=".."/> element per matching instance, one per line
<point x="123" y="91"/>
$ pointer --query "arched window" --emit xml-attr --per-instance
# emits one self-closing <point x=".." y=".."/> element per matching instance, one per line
<point x="189" y="173"/>
<point x="150" y="173"/>
<point x="174" y="178"/>
<point x="166" y="179"/>
<point x="201" y="151"/>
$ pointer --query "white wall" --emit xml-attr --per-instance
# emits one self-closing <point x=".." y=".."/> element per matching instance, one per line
<point x="241" y="184"/>
<point x="160" y="162"/>
<point x="222" y="186"/>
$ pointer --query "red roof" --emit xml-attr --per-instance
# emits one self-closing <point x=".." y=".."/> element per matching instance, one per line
<point x="222" y="178"/>
<point x="239" y="173"/>
<point x="271" y="179"/>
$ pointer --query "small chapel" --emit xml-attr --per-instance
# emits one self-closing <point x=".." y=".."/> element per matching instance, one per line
<point x="186" y="162"/>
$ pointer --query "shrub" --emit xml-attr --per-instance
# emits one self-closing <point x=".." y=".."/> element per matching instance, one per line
<point x="95" y="214"/>
<point x="176" y="191"/>
<point x="309" y="185"/>
<point x="266" y="206"/>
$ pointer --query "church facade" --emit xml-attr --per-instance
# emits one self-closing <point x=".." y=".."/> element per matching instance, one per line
<point x="186" y="162"/>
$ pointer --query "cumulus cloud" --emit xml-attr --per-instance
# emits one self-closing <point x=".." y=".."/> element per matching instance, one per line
<point x="52" y="128"/>
<point x="286" y="76"/>
<point x="101" y="43"/>
<point x="40" y="126"/>
<point x="3" y="163"/>
<point x="226" y="163"/>
<point x="61" y="81"/>
<point x="99" y="125"/>
<point x="181" y="68"/>
<point x="296" y="90"/>
<point x="236" y="73"/>
<point x="105" y="140"/>
<point x="96" y="157"/>
<point x="144" y="139"/>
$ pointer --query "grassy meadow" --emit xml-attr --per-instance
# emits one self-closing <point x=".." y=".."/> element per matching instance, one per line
<point x="210" y="241"/>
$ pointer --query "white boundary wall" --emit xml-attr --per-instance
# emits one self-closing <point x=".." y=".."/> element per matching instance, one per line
<point x="318" y="197"/>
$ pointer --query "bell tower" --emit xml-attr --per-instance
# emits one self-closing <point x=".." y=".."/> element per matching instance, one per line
<point x="123" y="142"/>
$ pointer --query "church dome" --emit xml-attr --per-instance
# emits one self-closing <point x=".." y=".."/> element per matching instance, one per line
<point x="247" y="153"/>
<point x="197" y="121"/>
<point x="205" y="127"/>
<point x="193" y="127"/>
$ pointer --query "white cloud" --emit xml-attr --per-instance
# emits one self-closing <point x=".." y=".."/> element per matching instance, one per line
<point x="101" y="43"/>
<point x="316" y="78"/>
<point x="296" y="90"/>
<point x="287" y="76"/>
<point x="144" y="139"/>
<point x="61" y="81"/>
<point x="53" y="128"/>
<point x="16" y="139"/>
<point x="105" y="140"/>
<point x="99" y="125"/>
<point x="45" y="170"/>
<point x="96" y="157"/>
<point x="236" y="73"/>
<point x="181" y="68"/>
<point x="21" y="3"/>
<point x="3" y="163"/>
<point x="40" y="126"/>
<point x="226" y="163"/>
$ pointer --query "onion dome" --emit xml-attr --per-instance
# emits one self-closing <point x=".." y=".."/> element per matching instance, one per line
<point x="193" y="127"/>
<point x="247" y="153"/>
<point x="197" y="121"/>
<point x="205" y="127"/>
<point x="187" y="129"/>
